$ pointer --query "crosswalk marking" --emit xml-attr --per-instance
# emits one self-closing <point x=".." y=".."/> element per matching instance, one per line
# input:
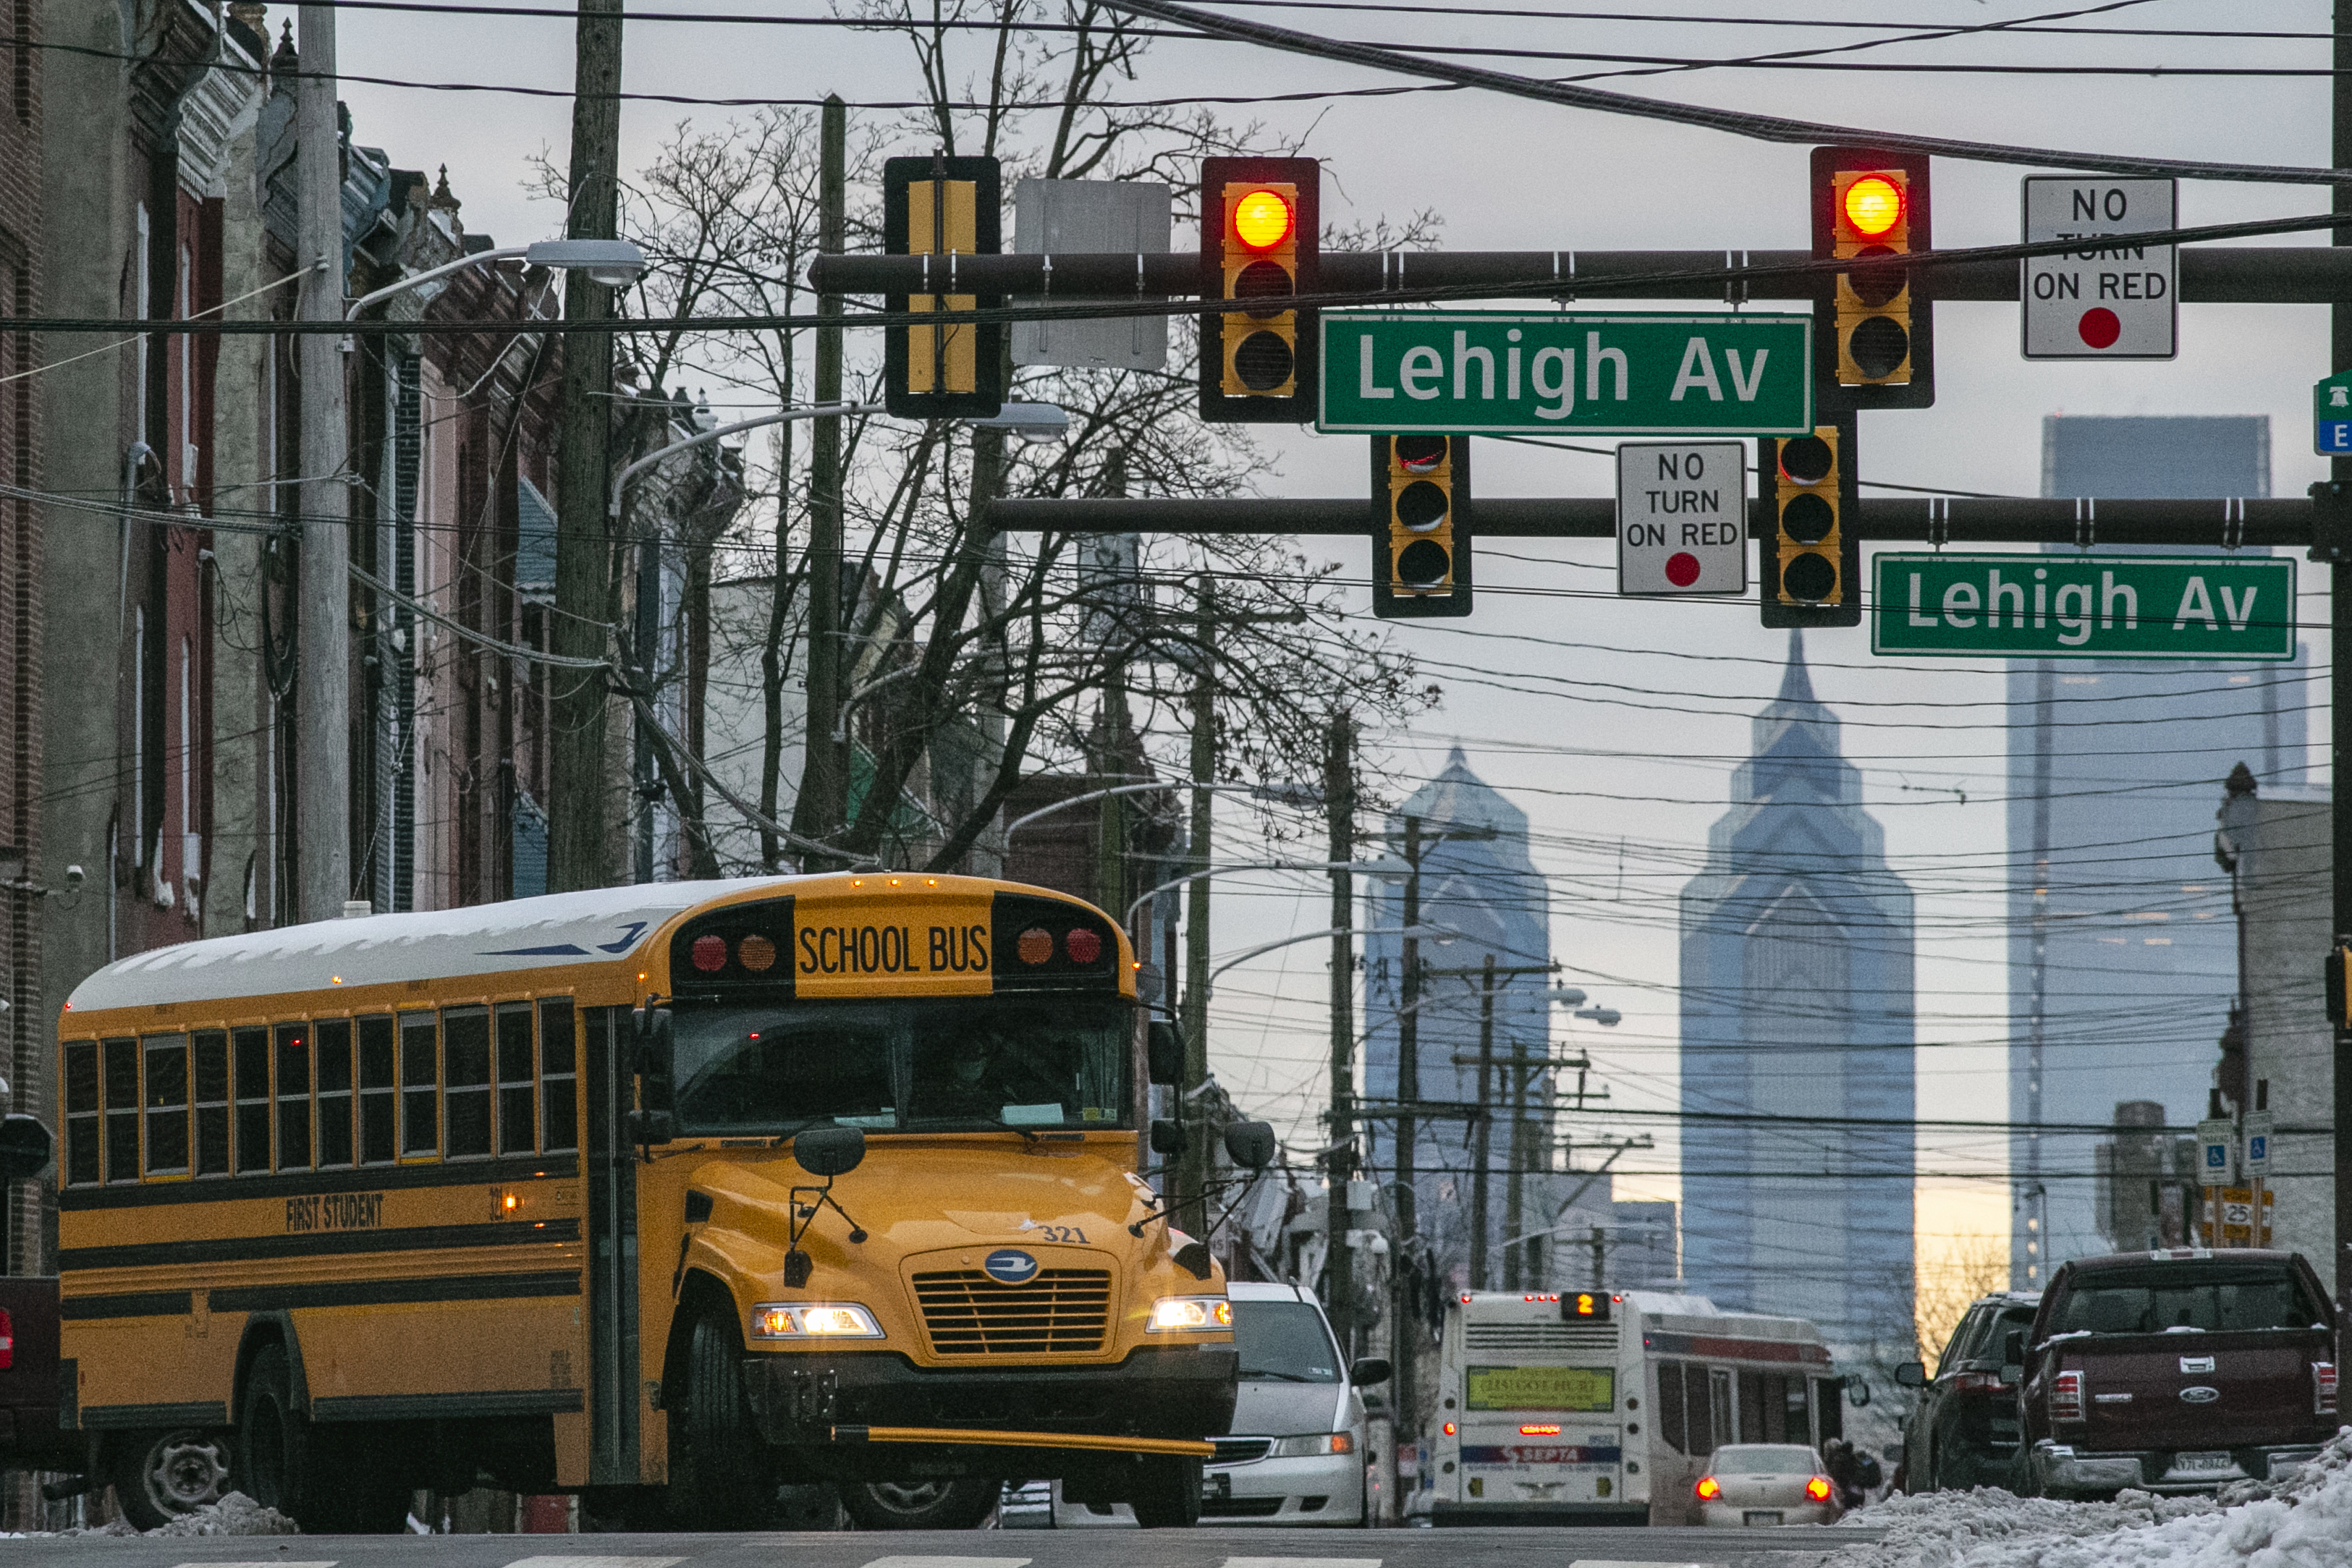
<point x="329" y="1563"/>
<point x="1302" y="1562"/>
<point x="1628" y="1563"/>
<point x="569" y="1562"/>
<point x="950" y="1562"/>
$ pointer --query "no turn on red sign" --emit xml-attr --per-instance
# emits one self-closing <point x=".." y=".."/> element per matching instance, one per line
<point x="2112" y="299"/>
<point x="1682" y="510"/>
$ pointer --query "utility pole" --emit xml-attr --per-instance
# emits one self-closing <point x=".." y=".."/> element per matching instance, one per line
<point x="577" y="853"/>
<point x="1339" y="815"/>
<point x="1518" y="1266"/>
<point x="822" y="808"/>
<point x="1405" y="1333"/>
<point x="2339" y="682"/>
<point x="1481" y="1134"/>
<point x="323" y="695"/>
<point x="1192" y="1165"/>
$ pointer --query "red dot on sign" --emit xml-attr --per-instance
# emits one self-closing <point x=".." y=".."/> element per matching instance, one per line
<point x="2099" y="328"/>
<point x="1682" y="568"/>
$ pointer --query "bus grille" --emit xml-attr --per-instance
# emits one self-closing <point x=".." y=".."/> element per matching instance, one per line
<point x="1542" y="1336"/>
<point x="968" y="1313"/>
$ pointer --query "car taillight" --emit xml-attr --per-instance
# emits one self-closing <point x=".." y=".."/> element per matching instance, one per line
<point x="2066" y="1396"/>
<point x="2323" y="1386"/>
<point x="1975" y="1382"/>
<point x="1708" y="1490"/>
<point x="1818" y="1489"/>
<point x="8" y="1352"/>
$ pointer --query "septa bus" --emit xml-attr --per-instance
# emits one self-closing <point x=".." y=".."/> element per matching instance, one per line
<point x="1597" y="1407"/>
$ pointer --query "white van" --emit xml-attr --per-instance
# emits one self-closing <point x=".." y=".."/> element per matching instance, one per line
<point x="1296" y="1455"/>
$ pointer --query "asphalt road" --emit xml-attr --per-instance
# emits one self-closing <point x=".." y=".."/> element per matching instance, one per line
<point x="1209" y="1548"/>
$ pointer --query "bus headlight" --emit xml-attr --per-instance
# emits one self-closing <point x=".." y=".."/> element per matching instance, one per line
<point x="1190" y="1314"/>
<point x="1312" y="1446"/>
<point x="813" y="1319"/>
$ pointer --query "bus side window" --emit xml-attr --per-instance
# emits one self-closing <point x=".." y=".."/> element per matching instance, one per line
<point x="420" y="1087"/>
<point x="559" y="1079"/>
<point x="210" y="1061"/>
<point x="466" y="1097"/>
<point x="293" y="1096"/>
<point x="1701" y="1385"/>
<point x="121" y="1110"/>
<point x="81" y="1155"/>
<point x="379" y="1092"/>
<point x="1670" y="1405"/>
<point x="1720" y="1408"/>
<point x="334" y="1092"/>
<point x="251" y="1051"/>
<point x="518" y="1088"/>
<point x="167" y="1104"/>
<point x="1751" y="1408"/>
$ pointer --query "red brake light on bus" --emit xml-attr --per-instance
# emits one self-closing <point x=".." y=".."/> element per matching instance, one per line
<point x="709" y="954"/>
<point x="1818" y="1489"/>
<point x="1708" y="1490"/>
<point x="1449" y="1428"/>
<point x="8" y="1339"/>
<point x="1539" y="1431"/>
<point x="1083" y="945"/>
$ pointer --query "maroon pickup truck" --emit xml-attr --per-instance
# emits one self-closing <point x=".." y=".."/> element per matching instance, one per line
<point x="2176" y="1371"/>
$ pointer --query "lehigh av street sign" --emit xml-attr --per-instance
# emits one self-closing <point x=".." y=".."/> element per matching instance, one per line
<point x="2083" y="606"/>
<point x="1502" y="372"/>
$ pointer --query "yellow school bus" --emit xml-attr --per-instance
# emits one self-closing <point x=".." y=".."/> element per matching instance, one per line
<point x="665" y="1195"/>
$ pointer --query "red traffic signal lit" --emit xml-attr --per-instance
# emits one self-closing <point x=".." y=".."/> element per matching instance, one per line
<point x="1264" y="218"/>
<point x="1874" y="325"/>
<point x="1258" y="218"/>
<point x="1874" y="204"/>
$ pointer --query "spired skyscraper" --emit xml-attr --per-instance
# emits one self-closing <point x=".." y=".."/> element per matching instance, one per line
<point x="2122" y="949"/>
<point x="1797" y="1001"/>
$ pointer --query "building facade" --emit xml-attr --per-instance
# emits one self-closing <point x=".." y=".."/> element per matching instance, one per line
<point x="2122" y="965"/>
<point x="1797" y="1002"/>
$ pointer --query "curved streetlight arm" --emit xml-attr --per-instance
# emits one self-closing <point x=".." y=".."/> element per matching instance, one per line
<point x="1150" y="894"/>
<point x="503" y="253"/>
<point x="822" y="410"/>
<point x="1432" y="933"/>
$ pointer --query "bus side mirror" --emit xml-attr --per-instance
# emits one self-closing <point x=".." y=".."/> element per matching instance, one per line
<point x="654" y="1055"/>
<point x="1369" y="1371"/>
<point x="1166" y="1137"/>
<point x="1857" y="1392"/>
<point x="1163" y="1052"/>
<point x="830" y="1152"/>
<point x="1251" y="1144"/>
<point x="1911" y="1374"/>
<point x="24" y="1147"/>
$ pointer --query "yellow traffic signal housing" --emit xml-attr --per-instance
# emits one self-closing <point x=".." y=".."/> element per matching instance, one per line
<point x="1812" y="562"/>
<point x="1873" y="339"/>
<point x="1421" y="525"/>
<point x="943" y="208"/>
<point x="1258" y="226"/>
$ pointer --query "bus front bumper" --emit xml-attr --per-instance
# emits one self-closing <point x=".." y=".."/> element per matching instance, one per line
<point x="1179" y="1390"/>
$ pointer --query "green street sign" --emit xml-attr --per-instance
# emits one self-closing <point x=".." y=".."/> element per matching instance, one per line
<point x="1508" y="373"/>
<point x="2083" y="606"/>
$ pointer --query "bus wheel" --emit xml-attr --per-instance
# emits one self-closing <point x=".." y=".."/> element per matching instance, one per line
<point x="278" y="1460"/>
<point x="159" y="1476"/>
<point x="958" y="1504"/>
<point x="1166" y="1493"/>
<point x="716" y="1479"/>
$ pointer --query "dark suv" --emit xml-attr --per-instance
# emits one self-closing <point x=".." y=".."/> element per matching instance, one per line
<point x="1964" y="1432"/>
<point x="2176" y="1371"/>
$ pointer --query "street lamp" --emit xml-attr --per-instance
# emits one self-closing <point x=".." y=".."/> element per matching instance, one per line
<point x="615" y="263"/>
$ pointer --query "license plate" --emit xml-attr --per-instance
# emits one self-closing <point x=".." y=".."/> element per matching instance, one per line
<point x="2204" y="1461"/>
<point x="1760" y="1516"/>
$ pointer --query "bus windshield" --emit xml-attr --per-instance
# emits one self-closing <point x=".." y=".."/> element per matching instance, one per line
<point x="959" y="1064"/>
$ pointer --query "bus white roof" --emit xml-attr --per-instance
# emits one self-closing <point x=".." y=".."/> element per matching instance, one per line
<point x="521" y="934"/>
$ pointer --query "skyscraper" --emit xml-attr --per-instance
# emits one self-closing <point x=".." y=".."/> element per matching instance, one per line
<point x="1797" y="1001"/>
<point x="2122" y="964"/>
<point x="1476" y="879"/>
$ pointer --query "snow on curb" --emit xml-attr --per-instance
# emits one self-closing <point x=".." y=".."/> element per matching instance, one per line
<point x="235" y="1514"/>
<point x="2304" y="1523"/>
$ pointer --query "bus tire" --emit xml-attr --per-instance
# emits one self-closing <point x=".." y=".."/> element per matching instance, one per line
<point x="1166" y="1493"/>
<point x="161" y="1475"/>
<point x="279" y="1460"/>
<point x="716" y="1479"/>
<point x="958" y="1504"/>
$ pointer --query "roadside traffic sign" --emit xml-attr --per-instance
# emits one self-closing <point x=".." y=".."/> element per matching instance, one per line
<point x="1682" y="510"/>
<point x="2107" y="301"/>
<point x="1505" y="373"/>
<point x="2331" y="416"/>
<point x="2259" y="1125"/>
<point x="2080" y="606"/>
<point x="2216" y="1141"/>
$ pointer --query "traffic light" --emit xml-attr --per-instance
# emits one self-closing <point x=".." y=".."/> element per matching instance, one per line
<point x="1259" y="220"/>
<point x="944" y="208"/>
<point x="2339" y="983"/>
<point x="1811" y="561"/>
<point x="1873" y="329"/>
<point x="1421" y="525"/>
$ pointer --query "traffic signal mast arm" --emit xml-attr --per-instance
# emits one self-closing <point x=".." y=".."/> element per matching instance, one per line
<point x="2210" y="275"/>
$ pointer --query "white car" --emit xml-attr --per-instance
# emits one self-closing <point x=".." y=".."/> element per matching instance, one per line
<point x="1766" y="1483"/>
<point x="1296" y="1455"/>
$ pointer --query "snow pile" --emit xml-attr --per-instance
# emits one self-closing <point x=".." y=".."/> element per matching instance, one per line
<point x="235" y="1514"/>
<point x="2303" y="1523"/>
